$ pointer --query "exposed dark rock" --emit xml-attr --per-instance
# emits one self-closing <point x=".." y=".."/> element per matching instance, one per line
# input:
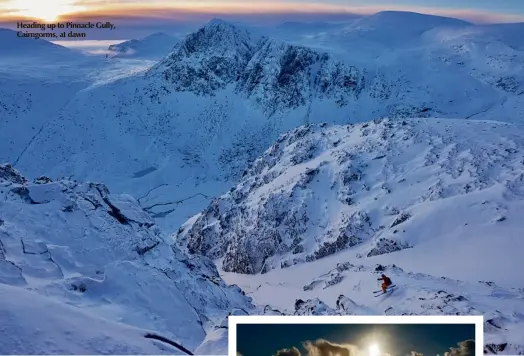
<point x="495" y="348"/>
<point x="10" y="174"/>
<point x="402" y="218"/>
<point x="384" y="246"/>
<point x="43" y="180"/>
<point x="312" y="307"/>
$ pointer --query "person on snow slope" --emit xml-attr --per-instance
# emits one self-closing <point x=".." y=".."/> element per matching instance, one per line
<point x="386" y="282"/>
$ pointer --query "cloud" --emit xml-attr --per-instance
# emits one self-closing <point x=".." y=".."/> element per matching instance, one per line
<point x="415" y="353"/>
<point x="322" y="347"/>
<point x="8" y="12"/>
<point x="288" y="352"/>
<point x="266" y="10"/>
<point x="465" y="348"/>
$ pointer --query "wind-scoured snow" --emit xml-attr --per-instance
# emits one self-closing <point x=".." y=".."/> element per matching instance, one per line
<point x="75" y="243"/>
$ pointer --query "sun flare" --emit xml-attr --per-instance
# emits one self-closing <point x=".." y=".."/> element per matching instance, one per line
<point x="374" y="350"/>
<point x="48" y="10"/>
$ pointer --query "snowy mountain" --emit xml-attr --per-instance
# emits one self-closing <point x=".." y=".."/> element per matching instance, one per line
<point x="273" y="76"/>
<point x="314" y="216"/>
<point x="11" y="44"/>
<point x="96" y="267"/>
<point x="180" y="132"/>
<point x="155" y="46"/>
<point x="377" y="187"/>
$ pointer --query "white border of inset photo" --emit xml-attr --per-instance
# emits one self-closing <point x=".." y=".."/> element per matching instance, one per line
<point x="234" y="320"/>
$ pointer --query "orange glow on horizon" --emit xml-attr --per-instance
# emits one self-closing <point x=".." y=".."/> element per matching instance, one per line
<point x="208" y="7"/>
<point x="47" y="11"/>
<point x="53" y="10"/>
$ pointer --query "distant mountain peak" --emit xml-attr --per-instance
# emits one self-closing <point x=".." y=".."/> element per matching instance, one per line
<point x="220" y="29"/>
<point x="10" y="42"/>
<point x="219" y="47"/>
<point x="218" y="22"/>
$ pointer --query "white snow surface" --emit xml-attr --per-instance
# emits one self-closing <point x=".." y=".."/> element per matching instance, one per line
<point x="320" y="209"/>
<point x="80" y="255"/>
<point x="33" y="324"/>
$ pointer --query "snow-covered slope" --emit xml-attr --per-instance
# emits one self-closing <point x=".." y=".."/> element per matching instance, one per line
<point x="327" y="208"/>
<point x="389" y="27"/>
<point x="377" y="187"/>
<point x="80" y="255"/>
<point x="33" y="324"/>
<point x="510" y="33"/>
<point x="154" y="46"/>
<point x="179" y="133"/>
<point x="343" y="286"/>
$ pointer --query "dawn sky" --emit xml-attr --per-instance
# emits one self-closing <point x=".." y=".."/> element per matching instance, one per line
<point x="475" y="10"/>
<point x="267" y="339"/>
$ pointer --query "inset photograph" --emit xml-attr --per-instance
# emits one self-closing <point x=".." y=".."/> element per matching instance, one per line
<point x="355" y="336"/>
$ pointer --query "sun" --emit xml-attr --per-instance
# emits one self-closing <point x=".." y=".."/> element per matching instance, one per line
<point x="48" y="10"/>
<point x="374" y="350"/>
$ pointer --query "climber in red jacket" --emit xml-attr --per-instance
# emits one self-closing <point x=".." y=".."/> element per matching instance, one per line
<point x="386" y="282"/>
